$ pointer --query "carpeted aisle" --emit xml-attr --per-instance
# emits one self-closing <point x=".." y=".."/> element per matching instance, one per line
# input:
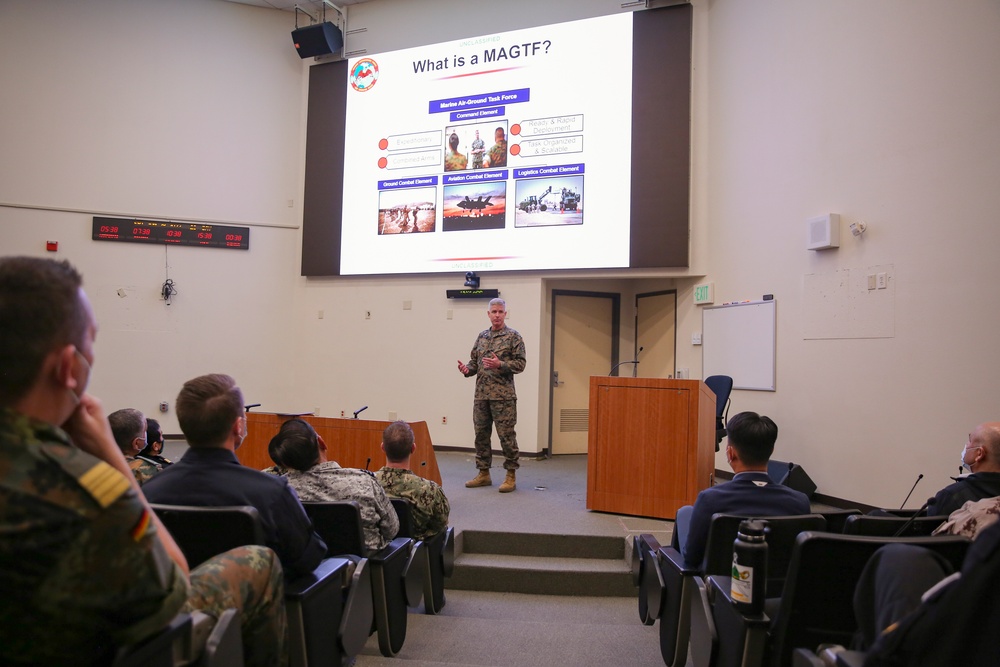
<point x="480" y="628"/>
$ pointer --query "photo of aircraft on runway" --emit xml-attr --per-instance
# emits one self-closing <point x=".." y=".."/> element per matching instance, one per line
<point x="474" y="206"/>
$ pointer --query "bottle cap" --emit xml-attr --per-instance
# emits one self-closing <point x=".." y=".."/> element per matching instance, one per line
<point x="753" y="528"/>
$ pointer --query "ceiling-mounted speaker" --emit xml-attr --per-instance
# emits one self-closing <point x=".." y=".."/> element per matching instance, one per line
<point x="319" y="39"/>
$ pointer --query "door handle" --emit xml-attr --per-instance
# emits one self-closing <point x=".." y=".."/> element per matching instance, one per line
<point x="555" y="378"/>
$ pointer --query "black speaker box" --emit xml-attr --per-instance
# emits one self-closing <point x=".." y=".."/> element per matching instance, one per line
<point x="791" y="475"/>
<point x="319" y="39"/>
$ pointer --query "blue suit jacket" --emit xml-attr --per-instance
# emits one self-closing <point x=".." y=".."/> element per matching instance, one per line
<point x="749" y="493"/>
<point x="212" y="477"/>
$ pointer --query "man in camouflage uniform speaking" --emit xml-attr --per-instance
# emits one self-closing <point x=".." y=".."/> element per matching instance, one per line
<point x="497" y="355"/>
<point x="85" y="565"/>
<point x="429" y="506"/>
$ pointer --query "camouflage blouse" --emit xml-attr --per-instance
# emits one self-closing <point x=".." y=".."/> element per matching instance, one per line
<point x="430" y="507"/>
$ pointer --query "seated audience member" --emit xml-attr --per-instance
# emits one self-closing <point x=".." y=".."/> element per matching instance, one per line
<point x="154" y="447"/>
<point x="129" y="428"/>
<point x="429" y="506"/>
<point x="912" y="610"/>
<point x="971" y="519"/>
<point x="316" y="478"/>
<point x="981" y="456"/>
<point x="751" y="491"/>
<point x="212" y="418"/>
<point x="85" y="565"/>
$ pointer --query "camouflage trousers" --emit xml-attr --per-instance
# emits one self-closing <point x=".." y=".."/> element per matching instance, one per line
<point x="248" y="579"/>
<point x="504" y="414"/>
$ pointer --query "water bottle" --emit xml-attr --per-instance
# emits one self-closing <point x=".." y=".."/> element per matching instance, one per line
<point x="749" y="585"/>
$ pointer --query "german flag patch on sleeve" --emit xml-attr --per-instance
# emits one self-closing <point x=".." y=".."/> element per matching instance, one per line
<point x="141" y="526"/>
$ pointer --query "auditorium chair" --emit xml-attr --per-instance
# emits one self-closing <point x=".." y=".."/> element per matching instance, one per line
<point x="337" y="591"/>
<point x="667" y="584"/>
<point x="888" y="526"/>
<point x="189" y="639"/>
<point x="836" y="518"/>
<point x="721" y="386"/>
<point x="440" y="550"/>
<point x="397" y="578"/>
<point x="816" y="606"/>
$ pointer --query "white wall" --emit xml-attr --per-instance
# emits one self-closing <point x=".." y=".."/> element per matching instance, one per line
<point x="175" y="110"/>
<point x="885" y="112"/>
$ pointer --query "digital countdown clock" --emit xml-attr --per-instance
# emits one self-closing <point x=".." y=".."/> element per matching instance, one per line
<point x="177" y="233"/>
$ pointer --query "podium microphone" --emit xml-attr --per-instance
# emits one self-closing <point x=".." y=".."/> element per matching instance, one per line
<point x="359" y="411"/>
<point x="252" y="405"/>
<point x="919" y="477"/>
<point x="631" y="361"/>
<point x="923" y="508"/>
<point x="368" y="462"/>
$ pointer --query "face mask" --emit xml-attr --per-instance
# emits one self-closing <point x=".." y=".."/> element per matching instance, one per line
<point x="244" y="432"/>
<point x="963" y="465"/>
<point x="965" y="450"/>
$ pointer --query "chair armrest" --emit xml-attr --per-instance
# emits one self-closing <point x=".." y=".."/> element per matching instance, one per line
<point x="851" y="659"/>
<point x="675" y="605"/>
<point x="158" y="649"/>
<point x="399" y="548"/>
<point x="831" y="656"/>
<point x="742" y="638"/>
<point x="448" y="553"/>
<point x="224" y="646"/>
<point x="646" y="575"/>
<point x="803" y="657"/>
<point x="414" y="573"/>
<point x="313" y="602"/>
<point x="359" y="612"/>
<point x="642" y="545"/>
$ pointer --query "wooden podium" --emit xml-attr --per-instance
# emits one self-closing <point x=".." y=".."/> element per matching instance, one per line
<point x="351" y="441"/>
<point x="651" y="445"/>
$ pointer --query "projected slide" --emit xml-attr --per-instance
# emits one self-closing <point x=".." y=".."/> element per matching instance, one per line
<point x="500" y="152"/>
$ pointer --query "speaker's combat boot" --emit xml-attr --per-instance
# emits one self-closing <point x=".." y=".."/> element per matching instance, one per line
<point x="509" y="484"/>
<point x="482" y="479"/>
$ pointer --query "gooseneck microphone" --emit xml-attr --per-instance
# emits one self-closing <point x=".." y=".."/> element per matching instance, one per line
<point x="631" y="361"/>
<point x="923" y="508"/>
<point x="252" y="405"/>
<point x="919" y="477"/>
<point x="359" y="411"/>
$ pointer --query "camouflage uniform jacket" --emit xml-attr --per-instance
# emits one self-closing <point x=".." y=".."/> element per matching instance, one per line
<point x="328" y="482"/>
<point x="430" y="507"/>
<point x="498" y="384"/>
<point x="455" y="162"/>
<point x="81" y="566"/>
<point x="498" y="154"/>
<point x="142" y="469"/>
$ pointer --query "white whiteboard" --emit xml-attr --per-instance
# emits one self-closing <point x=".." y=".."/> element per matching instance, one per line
<point x="738" y="341"/>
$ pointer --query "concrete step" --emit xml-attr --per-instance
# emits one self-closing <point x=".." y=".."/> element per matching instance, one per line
<point x="542" y="564"/>
<point x="542" y="544"/>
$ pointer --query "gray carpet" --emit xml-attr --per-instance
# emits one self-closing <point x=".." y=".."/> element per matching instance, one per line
<point x="551" y="498"/>
<point x="487" y="628"/>
<point x="479" y="628"/>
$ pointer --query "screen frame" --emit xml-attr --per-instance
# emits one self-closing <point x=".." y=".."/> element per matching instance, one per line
<point x="659" y="194"/>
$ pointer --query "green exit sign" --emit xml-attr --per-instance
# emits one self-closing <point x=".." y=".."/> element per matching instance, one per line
<point x="704" y="293"/>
